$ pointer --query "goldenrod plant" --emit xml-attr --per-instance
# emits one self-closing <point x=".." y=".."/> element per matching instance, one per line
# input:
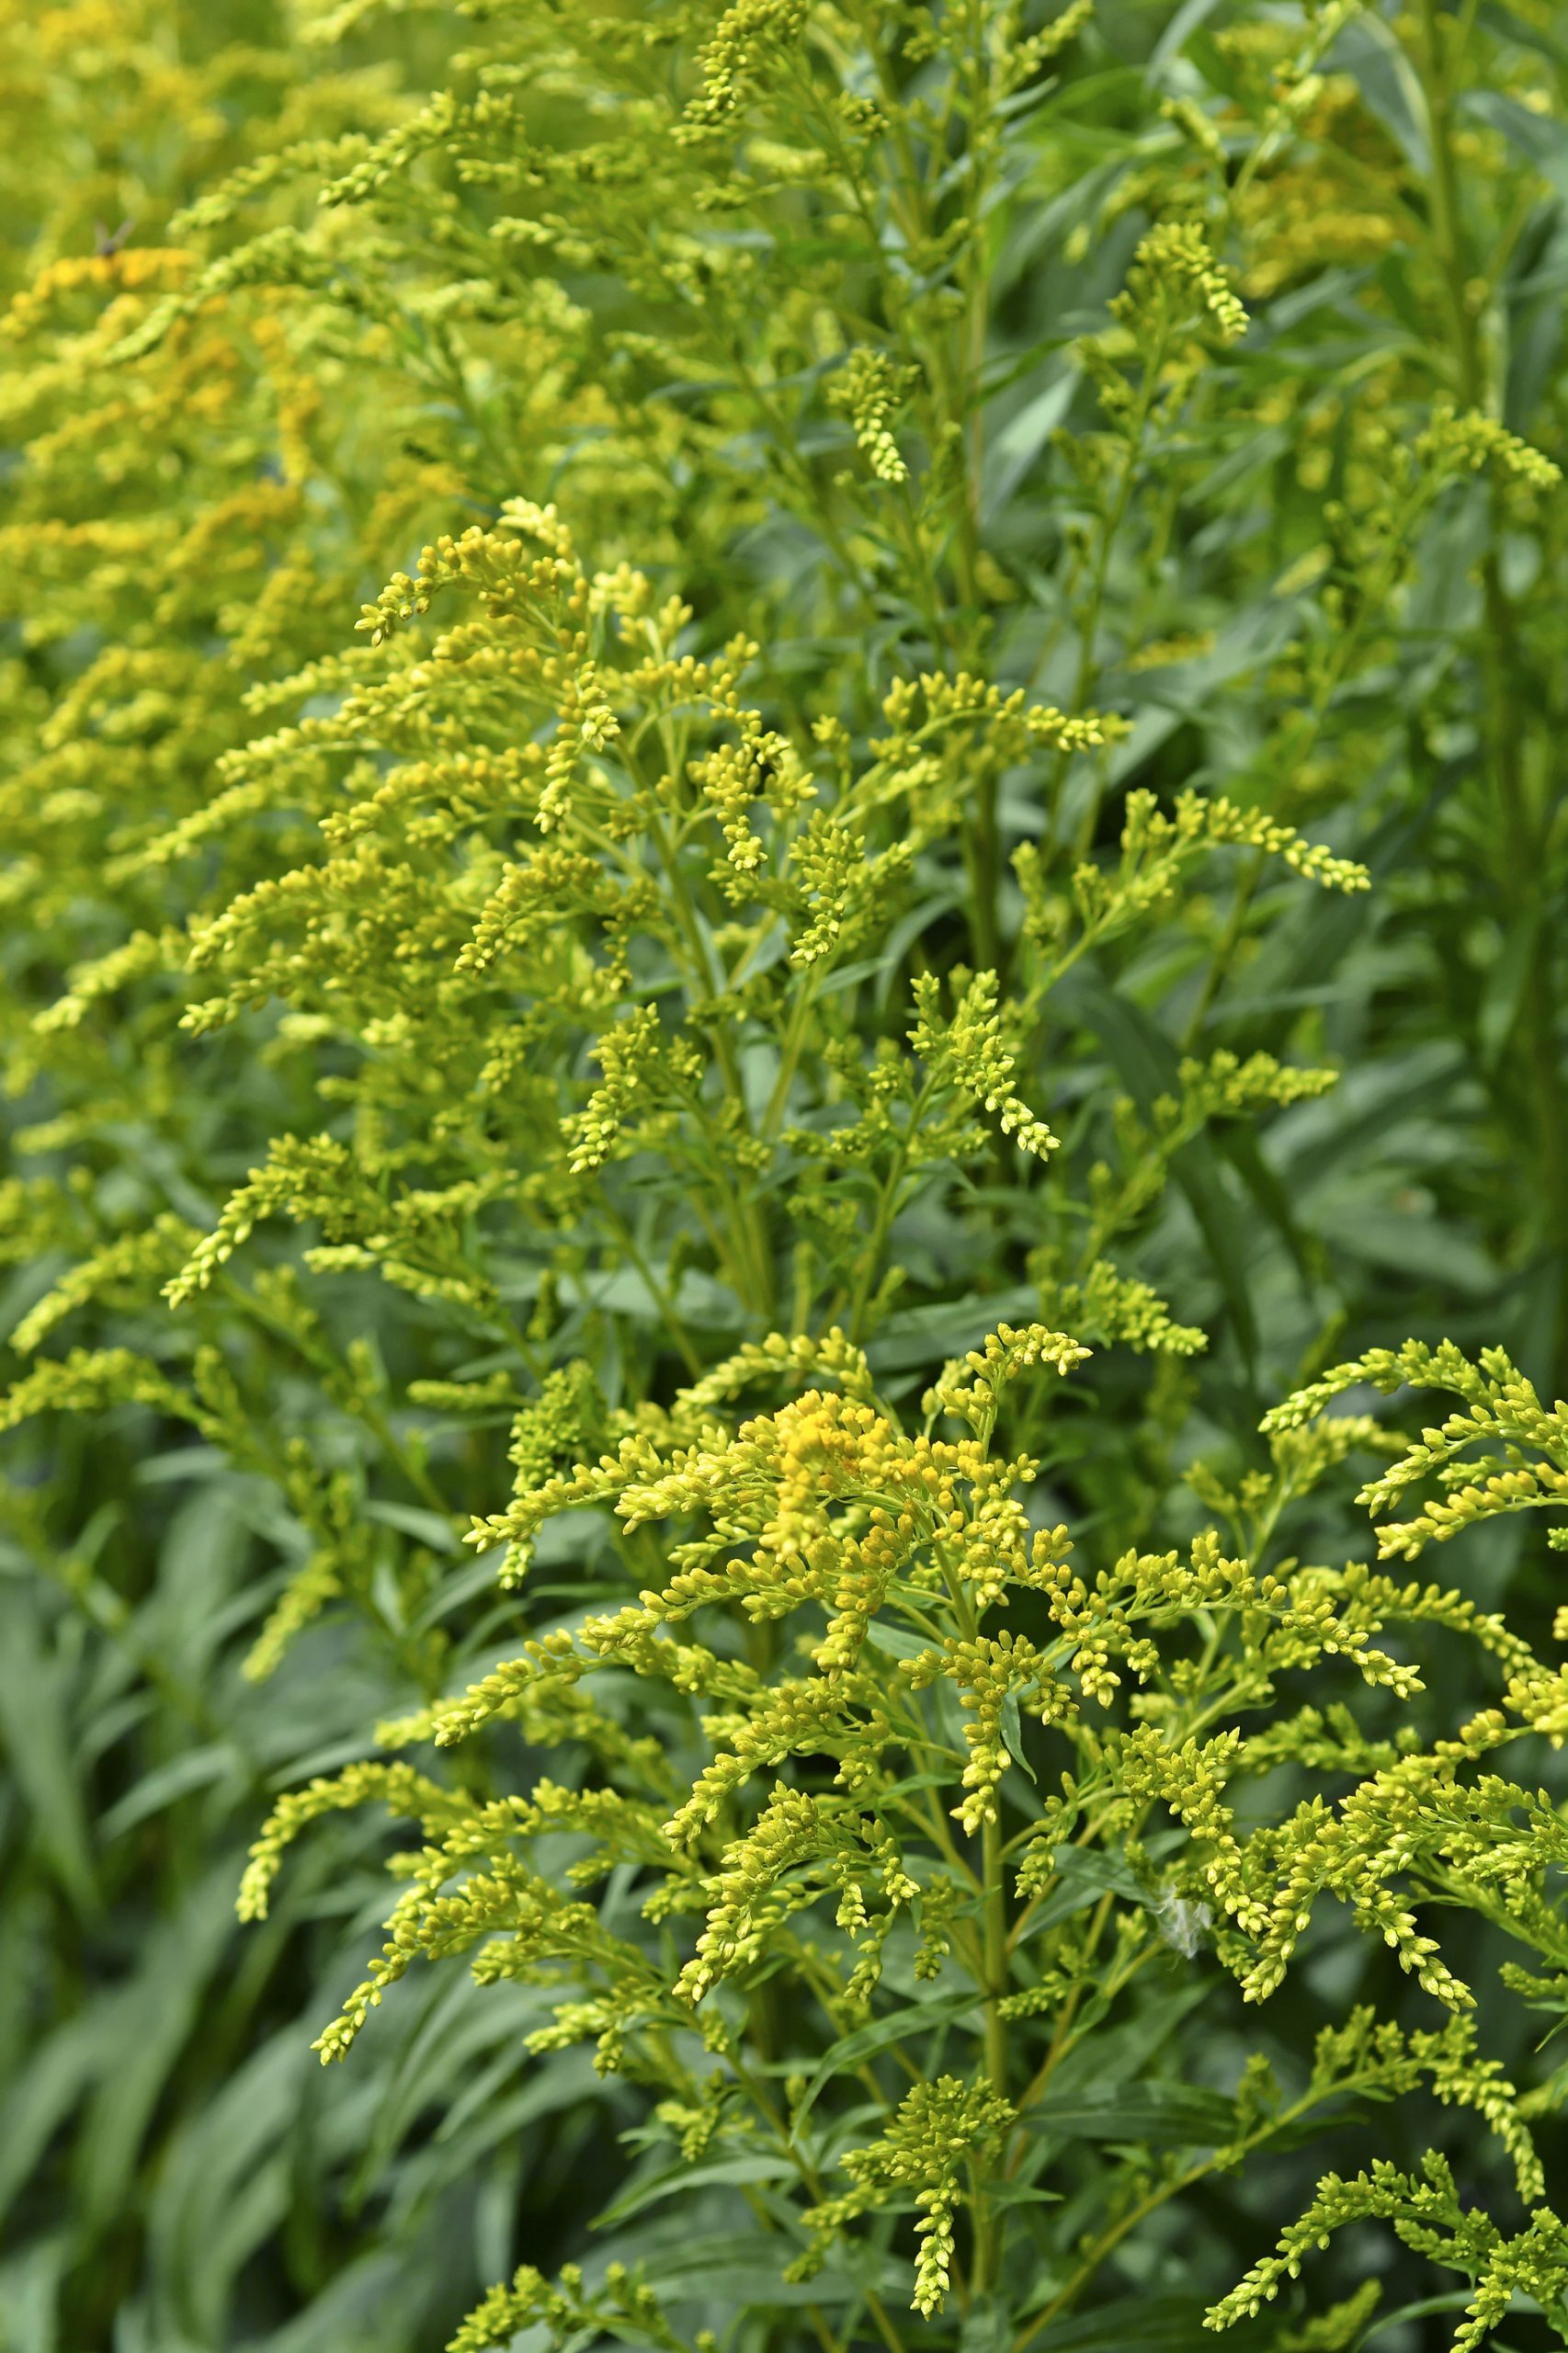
<point x="847" y="2008"/>
<point x="779" y="788"/>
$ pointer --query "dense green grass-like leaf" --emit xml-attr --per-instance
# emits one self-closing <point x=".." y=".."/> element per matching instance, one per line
<point x="950" y="757"/>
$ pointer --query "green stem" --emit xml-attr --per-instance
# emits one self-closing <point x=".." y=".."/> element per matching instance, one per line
<point x="813" y="2184"/>
<point x="994" y="1877"/>
<point x="1521" y="831"/>
<point x="661" y="1297"/>
<point x="1089" y="665"/>
<point x="882" y="1224"/>
<point x="757" y="1292"/>
<point x="1109" y="2240"/>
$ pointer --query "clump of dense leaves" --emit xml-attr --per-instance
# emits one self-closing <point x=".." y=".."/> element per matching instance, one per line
<point x="932" y="876"/>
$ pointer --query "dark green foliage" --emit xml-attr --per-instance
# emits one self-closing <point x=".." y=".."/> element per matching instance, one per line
<point x="972" y="750"/>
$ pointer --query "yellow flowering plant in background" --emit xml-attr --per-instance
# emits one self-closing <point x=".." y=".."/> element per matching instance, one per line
<point x="782" y="860"/>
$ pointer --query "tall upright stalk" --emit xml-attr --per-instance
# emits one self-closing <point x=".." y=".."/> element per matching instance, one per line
<point x="1529" y="1070"/>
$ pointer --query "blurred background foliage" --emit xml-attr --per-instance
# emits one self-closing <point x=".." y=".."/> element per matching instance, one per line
<point x="188" y="523"/>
